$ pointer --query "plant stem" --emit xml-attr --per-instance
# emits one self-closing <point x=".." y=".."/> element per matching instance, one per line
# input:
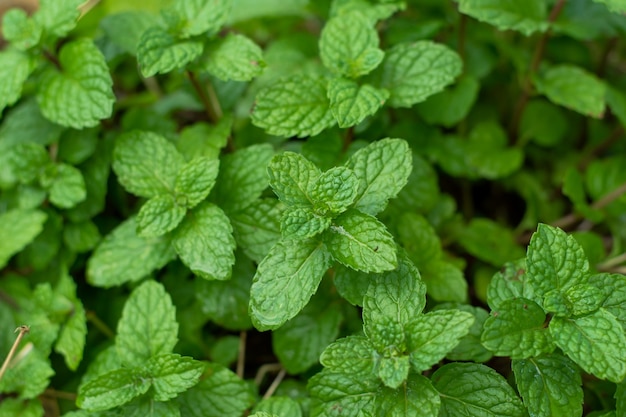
<point x="461" y="40"/>
<point x="597" y="149"/>
<point x="611" y="263"/>
<point x="51" y="392"/>
<point x="241" y="358"/>
<point x="208" y="98"/>
<point x="275" y="383"/>
<point x="100" y="325"/>
<point x="264" y="369"/>
<point x="23" y="329"/>
<point x="572" y="218"/>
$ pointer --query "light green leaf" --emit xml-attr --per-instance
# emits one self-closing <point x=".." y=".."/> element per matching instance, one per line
<point x="334" y="191"/>
<point x="445" y="282"/>
<point x="361" y="242"/>
<point x="490" y="242"/>
<point x="544" y="123"/>
<point x="575" y="301"/>
<point x="414" y="71"/>
<point x="30" y="372"/>
<point x="158" y="216"/>
<point x="550" y="385"/>
<point x="352" y="394"/>
<point x="507" y="284"/>
<point x="172" y="374"/>
<point x="596" y="342"/>
<point x="294" y="106"/>
<point x="292" y="177"/>
<point x="21" y="31"/>
<point x="277" y="406"/>
<point x="104" y="362"/>
<point x="554" y="261"/>
<point x="196" y="179"/>
<point x="393" y="370"/>
<point x="614" y="288"/>
<point x="487" y="153"/>
<point x="352" y="355"/>
<point x="285" y="281"/>
<point x="474" y="390"/>
<point x="219" y="394"/>
<point x="302" y="223"/>
<point x="80" y="93"/>
<point x="451" y="105"/>
<point x="145" y="406"/>
<point x="243" y="177"/>
<point x="58" y="17"/>
<point x="15" y="67"/>
<point x="122" y="256"/>
<point x="124" y="29"/>
<point x="574" y="88"/>
<point x="517" y="329"/>
<point x="17" y="229"/>
<point x="257" y="227"/>
<point x="202" y="16"/>
<point x="616" y="6"/>
<point x="526" y="17"/>
<point x="417" y="397"/>
<point x="16" y="407"/>
<point x="349" y="45"/>
<point x="383" y="168"/>
<point x="27" y="162"/>
<point x="470" y="347"/>
<point x="112" y="390"/>
<point x="351" y="285"/>
<point x="351" y="103"/>
<point x="574" y="189"/>
<point x="159" y="52"/>
<point x="235" y="57"/>
<point x="68" y="186"/>
<point x="72" y="337"/>
<point x="25" y="123"/>
<point x="203" y="139"/>
<point x="432" y="335"/>
<point x="146" y="163"/>
<point x="204" y="241"/>
<point x="148" y="325"/>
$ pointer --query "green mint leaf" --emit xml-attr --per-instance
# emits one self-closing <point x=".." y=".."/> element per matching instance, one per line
<point x="550" y="385"/>
<point x="243" y="177"/>
<point x="417" y="397"/>
<point x="18" y="228"/>
<point x="414" y="71"/>
<point x="235" y="57"/>
<point x="334" y="190"/>
<point x="79" y="94"/>
<point x="574" y="189"/>
<point x="277" y="406"/>
<point x="488" y="154"/>
<point x="72" y="337"/>
<point x="596" y="342"/>
<point x="475" y="390"/>
<point x="202" y="16"/>
<point x="527" y="17"/>
<point x="349" y="45"/>
<point x="17" y="28"/>
<point x="373" y="12"/>
<point x="470" y="347"/>
<point x="285" y="281"/>
<point x="17" y="407"/>
<point x="203" y="139"/>
<point x="324" y="150"/>
<point x="614" y="288"/>
<point x="159" y="215"/>
<point x="172" y="374"/>
<point x="76" y="146"/>
<point x="351" y="103"/>
<point x="26" y="161"/>
<point x="432" y="335"/>
<point x="292" y="176"/>
<point x="575" y="301"/>
<point x="146" y="164"/>
<point x="352" y="355"/>
<point x="294" y="106"/>
<point x="104" y="362"/>
<point x="25" y="123"/>
<point x="490" y="242"/>
<point x="554" y="261"/>
<point x="30" y="376"/>
<point x="352" y="394"/>
<point x="15" y="67"/>
<point x="507" y="284"/>
<point x="574" y="88"/>
<point x="256" y="228"/>
<point x="544" y="123"/>
<point x="160" y="52"/>
<point x="124" y="29"/>
<point x="58" y="17"/>
<point x="616" y="100"/>
<point x="122" y="256"/>
<point x="299" y="342"/>
<point x="220" y="393"/>
<point x="204" y="241"/>
<point x="351" y="285"/>
<point x="302" y="223"/>
<point x="393" y="370"/>
<point x="68" y="186"/>
<point x="112" y="389"/>
<point x="452" y="105"/>
<point x="146" y="406"/>
<point x="196" y="179"/>
<point x="616" y="6"/>
<point x="620" y="399"/>
<point x="517" y="329"/>
<point x="265" y="414"/>
<point x="383" y="168"/>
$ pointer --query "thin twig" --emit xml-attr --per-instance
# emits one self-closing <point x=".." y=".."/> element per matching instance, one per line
<point x="279" y="378"/>
<point x="23" y="329"/>
<point x="207" y="96"/>
<point x="264" y="369"/>
<point x="100" y="325"/>
<point x="597" y="149"/>
<point x="241" y="358"/>
<point x="51" y="392"/>
<point x="611" y="263"/>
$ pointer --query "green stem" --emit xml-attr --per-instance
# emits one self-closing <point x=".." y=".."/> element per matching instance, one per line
<point x="241" y="358"/>
<point x="5" y="365"/>
<point x="275" y="383"/>
<point x="100" y="325"/>
<point x="597" y="149"/>
<point x="208" y="98"/>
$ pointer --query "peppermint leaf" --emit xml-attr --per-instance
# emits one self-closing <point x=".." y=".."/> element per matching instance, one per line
<point x="507" y="284"/>
<point x="470" y="347"/>
<point x="550" y="385"/>
<point x="361" y="242"/>
<point x="196" y="179"/>
<point x="351" y="285"/>
<point x="469" y="389"/>
<point x="204" y="241"/>
<point x="234" y="57"/>
<point x="79" y="94"/>
<point x="292" y="176"/>
<point x="383" y="168"/>
<point x="527" y="17"/>
<point x="124" y="29"/>
<point x="616" y="6"/>
<point x="202" y="16"/>
<point x="302" y="223"/>
<point x="15" y="67"/>
<point x="294" y="106"/>
<point x="172" y="374"/>
<point x="417" y="397"/>
<point x="122" y="256"/>
<point x="148" y="325"/>
<point x="490" y="242"/>
<point x="517" y="329"/>
<point x="71" y="341"/>
<point x="68" y="186"/>
<point x="58" y="17"/>
<point x="202" y="139"/>
<point x="393" y="370"/>
<point x="158" y="216"/>
<point x="614" y="288"/>
<point x="352" y="355"/>
<point x="349" y="45"/>
<point x="146" y="406"/>
<point x="285" y="281"/>
<point x="351" y="103"/>
<point x="256" y="228"/>
<point x="334" y="190"/>
<point x="575" y="301"/>
<point x="432" y="335"/>
<point x="595" y="342"/>
<point x="160" y="52"/>
<point x="414" y="71"/>
<point x="352" y="394"/>
<point x="17" y="229"/>
<point x="146" y="164"/>
<point x="21" y="31"/>
<point x="111" y="390"/>
<point x="277" y="406"/>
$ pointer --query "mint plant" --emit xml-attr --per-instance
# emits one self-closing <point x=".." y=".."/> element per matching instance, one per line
<point x="308" y="209"/>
